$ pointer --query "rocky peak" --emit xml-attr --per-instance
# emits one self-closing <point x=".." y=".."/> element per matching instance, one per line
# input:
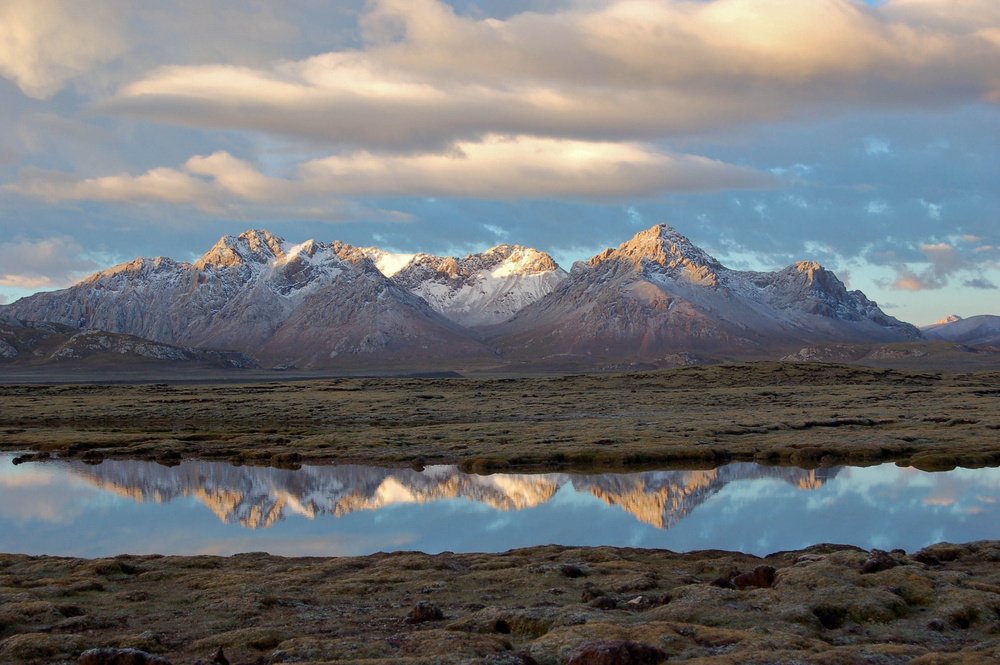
<point x="954" y="318"/>
<point x="254" y="247"/>
<point x="518" y="260"/>
<point x="809" y="276"/>
<point x="661" y="250"/>
<point x="141" y="268"/>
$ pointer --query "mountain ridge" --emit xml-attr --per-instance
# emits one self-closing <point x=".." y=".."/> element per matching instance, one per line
<point x="659" y="293"/>
<point x="317" y="305"/>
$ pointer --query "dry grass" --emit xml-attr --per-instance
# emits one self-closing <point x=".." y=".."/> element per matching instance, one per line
<point x="778" y="413"/>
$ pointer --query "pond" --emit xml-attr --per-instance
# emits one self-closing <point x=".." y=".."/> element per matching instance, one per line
<point x="61" y="507"/>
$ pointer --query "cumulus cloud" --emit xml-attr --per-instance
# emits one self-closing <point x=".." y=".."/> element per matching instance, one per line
<point x="44" y="43"/>
<point x="53" y="262"/>
<point x="626" y="69"/>
<point x="942" y="261"/>
<point x="496" y="167"/>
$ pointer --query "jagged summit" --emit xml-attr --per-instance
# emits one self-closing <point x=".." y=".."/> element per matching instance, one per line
<point x="661" y="250"/>
<point x="479" y="289"/>
<point x="254" y="247"/>
<point x="953" y="318"/>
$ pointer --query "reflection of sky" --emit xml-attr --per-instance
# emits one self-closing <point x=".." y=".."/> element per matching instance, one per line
<point x="45" y="509"/>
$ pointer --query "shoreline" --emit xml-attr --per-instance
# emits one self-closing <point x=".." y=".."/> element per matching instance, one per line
<point x="823" y="604"/>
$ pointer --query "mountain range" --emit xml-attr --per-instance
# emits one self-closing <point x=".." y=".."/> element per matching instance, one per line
<point x="259" y="497"/>
<point x="983" y="330"/>
<point x="317" y="305"/>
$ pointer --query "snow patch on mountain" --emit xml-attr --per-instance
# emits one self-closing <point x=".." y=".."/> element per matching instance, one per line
<point x="974" y="330"/>
<point x="483" y="288"/>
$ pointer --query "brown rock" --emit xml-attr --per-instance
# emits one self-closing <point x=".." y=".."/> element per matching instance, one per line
<point x="926" y="558"/>
<point x="761" y="577"/>
<point x="603" y="603"/>
<point x="878" y="561"/>
<point x="572" y="571"/>
<point x="616" y="652"/>
<point x="120" y="657"/>
<point x="723" y="583"/>
<point x="425" y="611"/>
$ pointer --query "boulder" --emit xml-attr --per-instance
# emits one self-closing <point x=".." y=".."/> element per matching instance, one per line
<point x="761" y="577"/>
<point x="878" y="561"/>
<point x="616" y="652"/>
<point x="425" y="611"/>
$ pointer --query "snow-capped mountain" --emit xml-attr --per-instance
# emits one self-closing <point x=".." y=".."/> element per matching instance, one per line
<point x="659" y="293"/>
<point x="982" y="330"/>
<point x="319" y="305"/>
<point x="480" y="289"/>
<point x="258" y="497"/>
<point x="311" y="305"/>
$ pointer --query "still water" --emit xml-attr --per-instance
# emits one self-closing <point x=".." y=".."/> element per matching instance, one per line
<point x="70" y="508"/>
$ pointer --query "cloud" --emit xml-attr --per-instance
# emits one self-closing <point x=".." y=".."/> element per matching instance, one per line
<point x="44" y="43"/>
<point x="875" y="146"/>
<point x="497" y="167"/>
<point x="876" y="207"/>
<point x="626" y="70"/>
<point x="933" y="210"/>
<point x="943" y="261"/>
<point x="53" y="262"/>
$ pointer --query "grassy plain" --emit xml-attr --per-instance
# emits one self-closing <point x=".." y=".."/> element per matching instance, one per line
<point x="805" y="414"/>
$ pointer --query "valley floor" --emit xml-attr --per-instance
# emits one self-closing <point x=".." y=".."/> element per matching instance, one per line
<point x="804" y="414"/>
<point x="827" y="605"/>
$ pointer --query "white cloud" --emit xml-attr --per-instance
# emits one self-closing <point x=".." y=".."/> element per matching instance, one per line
<point x="44" y="43"/>
<point x="53" y="262"/>
<point x="497" y="167"/>
<point x="933" y="209"/>
<point x="632" y="69"/>
<point x="944" y="261"/>
<point x="875" y="146"/>
<point x="876" y="207"/>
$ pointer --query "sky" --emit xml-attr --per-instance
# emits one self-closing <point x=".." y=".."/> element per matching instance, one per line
<point x="860" y="135"/>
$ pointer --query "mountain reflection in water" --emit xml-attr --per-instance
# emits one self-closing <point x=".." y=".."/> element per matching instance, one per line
<point x="67" y="508"/>
<point x="259" y="497"/>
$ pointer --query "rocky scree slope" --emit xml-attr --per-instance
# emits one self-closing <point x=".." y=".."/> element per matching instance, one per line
<point x="310" y="305"/>
<point x="659" y="293"/>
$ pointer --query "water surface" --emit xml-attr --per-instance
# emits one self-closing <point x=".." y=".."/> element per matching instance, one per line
<point x="70" y="508"/>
